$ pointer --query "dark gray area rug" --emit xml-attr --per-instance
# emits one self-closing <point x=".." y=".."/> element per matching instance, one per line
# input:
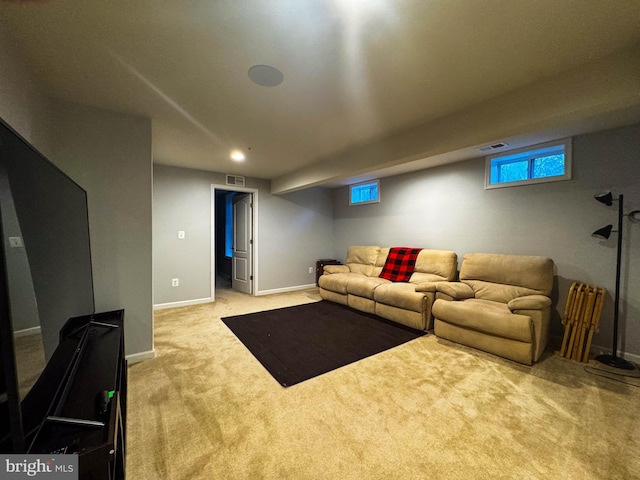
<point x="301" y="342"/>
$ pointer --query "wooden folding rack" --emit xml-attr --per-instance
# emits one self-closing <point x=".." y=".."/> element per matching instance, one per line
<point x="581" y="319"/>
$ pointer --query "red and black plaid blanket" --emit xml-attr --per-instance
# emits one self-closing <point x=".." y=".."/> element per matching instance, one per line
<point x="400" y="264"/>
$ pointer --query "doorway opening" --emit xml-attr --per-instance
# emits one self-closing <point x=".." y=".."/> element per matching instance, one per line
<point x="233" y="236"/>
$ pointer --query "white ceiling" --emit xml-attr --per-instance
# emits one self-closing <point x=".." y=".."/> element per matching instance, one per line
<point x="371" y="87"/>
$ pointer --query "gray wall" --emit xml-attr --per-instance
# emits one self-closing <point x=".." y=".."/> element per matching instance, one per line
<point x="182" y="201"/>
<point x="21" y="103"/>
<point x="296" y="230"/>
<point x="22" y="297"/>
<point x="293" y="232"/>
<point x="448" y="208"/>
<point x="109" y="154"/>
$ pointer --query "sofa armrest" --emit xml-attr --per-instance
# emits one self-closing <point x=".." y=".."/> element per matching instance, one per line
<point x="336" y="269"/>
<point x="455" y="290"/>
<point x="426" y="287"/>
<point x="529" y="302"/>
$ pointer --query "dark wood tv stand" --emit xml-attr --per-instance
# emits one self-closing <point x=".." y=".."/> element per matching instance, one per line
<point x="88" y="416"/>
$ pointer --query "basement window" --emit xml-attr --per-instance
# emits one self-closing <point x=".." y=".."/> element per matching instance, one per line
<point x="548" y="162"/>
<point x="365" y="192"/>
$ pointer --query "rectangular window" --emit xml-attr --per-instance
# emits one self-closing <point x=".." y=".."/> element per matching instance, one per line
<point x="547" y="162"/>
<point x="365" y="192"/>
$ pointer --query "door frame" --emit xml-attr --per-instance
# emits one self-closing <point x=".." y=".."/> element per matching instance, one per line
<point x="254" y="213"/>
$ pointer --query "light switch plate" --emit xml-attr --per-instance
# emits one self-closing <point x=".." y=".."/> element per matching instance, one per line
<point x="15" y="242"/>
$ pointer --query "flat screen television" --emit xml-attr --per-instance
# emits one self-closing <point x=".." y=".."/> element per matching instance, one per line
<point x="45" y="279"/>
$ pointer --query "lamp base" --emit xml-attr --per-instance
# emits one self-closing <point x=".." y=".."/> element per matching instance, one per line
<point x="615" y="362"/>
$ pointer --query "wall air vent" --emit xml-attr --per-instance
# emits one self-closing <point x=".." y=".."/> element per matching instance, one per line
<point x="495" y="146"/>
<point x="235" y="180"/>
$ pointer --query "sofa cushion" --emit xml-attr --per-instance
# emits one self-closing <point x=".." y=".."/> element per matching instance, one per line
<point x="363" y="255"/>
<point x="435" y="266"/>
<point x="418" y="277"/>
<point x="485" y="316"/>
<point x="362" y="259"/>
<point x="337" y="282"/>
<point x="505" y="277"/>
<point x="401" y="295"/>
<point x="380" y="261"/>
<point x="364" y="270"/>
<point x="335" y="269"/>
<point x="497" y="292"/>
<point x="364" y="286"/>
<point x="400" y="264"/>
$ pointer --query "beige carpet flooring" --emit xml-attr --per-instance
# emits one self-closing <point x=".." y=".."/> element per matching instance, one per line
<point x="204" y="408"/>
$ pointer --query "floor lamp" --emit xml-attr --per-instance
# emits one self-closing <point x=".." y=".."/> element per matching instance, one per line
<point x="603" y="233"/>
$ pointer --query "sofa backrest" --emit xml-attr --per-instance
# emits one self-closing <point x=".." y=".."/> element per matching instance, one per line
<point x="502" y="278"/>
<point x="363" y="259"/>
<point x="431" y="265"/>
<point x="435" y="266"/>
<point x="379" y="263"/>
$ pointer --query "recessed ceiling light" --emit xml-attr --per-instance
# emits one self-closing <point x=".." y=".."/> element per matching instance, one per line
<point x="237" y="155"/>
<point x="266" y="75"/>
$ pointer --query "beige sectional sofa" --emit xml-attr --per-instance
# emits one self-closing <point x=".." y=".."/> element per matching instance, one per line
<point x="501" y="305"/>
<point x="357" y="284"/>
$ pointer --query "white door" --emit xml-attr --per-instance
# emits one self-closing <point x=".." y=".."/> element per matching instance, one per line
<point x="241" y="262"/>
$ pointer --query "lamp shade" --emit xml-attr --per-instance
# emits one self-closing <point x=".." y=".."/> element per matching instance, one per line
<point x="604" y="197"/>
<point x="603" y="233"/>
<point x="635" y="216"/>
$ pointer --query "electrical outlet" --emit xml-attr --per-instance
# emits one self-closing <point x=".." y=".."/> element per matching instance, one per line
<point x="310" y="269"/>
<point x="175" y="282"/>
<point x="181" y="234"/>
<point x="15" y="242"/>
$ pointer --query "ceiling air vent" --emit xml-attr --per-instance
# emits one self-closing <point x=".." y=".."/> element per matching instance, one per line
<point x="495" y="146"/>
<point x="235" y="180"/>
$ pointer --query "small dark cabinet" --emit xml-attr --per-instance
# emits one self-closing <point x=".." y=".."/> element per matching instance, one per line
<point x="90" y="414"/>
<point x="320" y="266"/>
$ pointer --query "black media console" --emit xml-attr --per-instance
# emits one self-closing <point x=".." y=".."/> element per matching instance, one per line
<point x="88" y="416"/>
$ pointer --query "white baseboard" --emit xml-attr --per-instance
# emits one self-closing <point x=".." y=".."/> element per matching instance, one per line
<point x="632" y="358"/>
<point x="286" y="289"/>
<point x="139" y="357"/>
<point x="26" y="331"/>
<point x="185" y="303"/>
<point x="598" y="350"/>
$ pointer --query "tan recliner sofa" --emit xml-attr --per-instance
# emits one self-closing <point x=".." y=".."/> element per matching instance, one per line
<point x="501" y="305"/>
<point x="357" y="284"/>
